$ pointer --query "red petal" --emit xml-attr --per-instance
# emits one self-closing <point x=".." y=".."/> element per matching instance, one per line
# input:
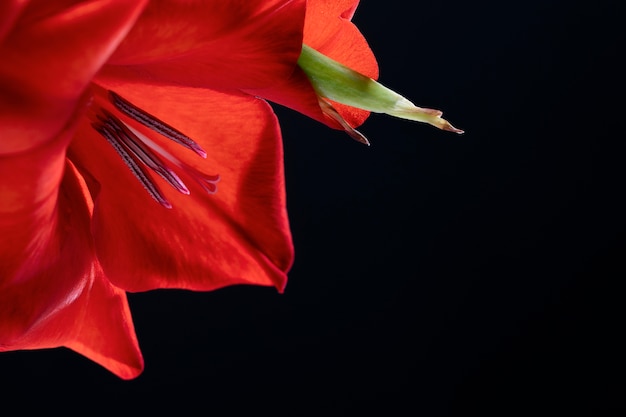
<point x="29" y="188"/>
<point x="239" y="235"/>
<point x="9" y="11"/>
<point x="104" y="331"/>
<point x="47" y="61"/>
<point x="339" y="39"/>
<point x="215" y="44"/>
<point x="58" y="296"/>
<point x="327" y="29"/>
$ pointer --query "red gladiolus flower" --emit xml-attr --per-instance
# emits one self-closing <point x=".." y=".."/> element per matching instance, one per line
<point x="111" y="112"/>
<point x="137" y="152"/>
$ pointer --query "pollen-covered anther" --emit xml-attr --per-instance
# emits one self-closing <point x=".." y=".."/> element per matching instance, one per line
<point x="140" y="153"/>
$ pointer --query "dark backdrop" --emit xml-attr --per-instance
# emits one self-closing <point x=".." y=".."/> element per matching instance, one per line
<point x="435" y="275"/>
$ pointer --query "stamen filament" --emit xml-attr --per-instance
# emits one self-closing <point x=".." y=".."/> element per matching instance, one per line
<point x="155" y="124"/>
<point x="141" y="152"/>
<point x="145" y="155"/>
<point x="207" y="182"/>
<point x="113" y="138"/>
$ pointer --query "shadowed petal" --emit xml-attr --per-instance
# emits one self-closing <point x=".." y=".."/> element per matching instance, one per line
<point x="9" y="12"/>
<point x="57" y="296"/>
<point x="47" y="61"/>
<point x="31" y="243"/>
<point x="238" y="235"/>
<point x="216" y="44"/>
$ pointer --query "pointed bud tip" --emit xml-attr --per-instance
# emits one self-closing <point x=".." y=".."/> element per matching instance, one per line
<point x="439" y="121"/>
<point x="358" y="136"/>
<point x="432" y="112"/>
<point x="448" y="127"/>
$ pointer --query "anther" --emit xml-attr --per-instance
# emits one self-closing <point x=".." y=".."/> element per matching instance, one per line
<point x="207" y="182"/>
<point x="155" y="124"/>
<point x="112" y="136"/>
<point x="140" y="153"/>
<point x="144" y="153"/>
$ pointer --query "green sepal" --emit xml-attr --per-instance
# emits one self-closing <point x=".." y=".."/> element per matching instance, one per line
<point x="336" y="82"/>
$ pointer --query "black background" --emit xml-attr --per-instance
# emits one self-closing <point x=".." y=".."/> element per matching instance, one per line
<point x="435" y="275"/>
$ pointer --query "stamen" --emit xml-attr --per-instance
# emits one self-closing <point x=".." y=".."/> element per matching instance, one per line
<point x="113" y="138"/>
<point x="139" y="151"/>
<point x="207" y="182"/>
<point x="144" y="154"/>
<point x="155" y="124"/>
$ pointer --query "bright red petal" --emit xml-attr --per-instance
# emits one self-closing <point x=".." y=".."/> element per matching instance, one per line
<point x="329" y="30"/>
<point x="214" y="44"/>
<point x="239" y="235"/>
<point x="342" y="41"/>
<point x="47" y="61"/>
<point x="104" y="331"/>
<point x="52" y="291"/>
